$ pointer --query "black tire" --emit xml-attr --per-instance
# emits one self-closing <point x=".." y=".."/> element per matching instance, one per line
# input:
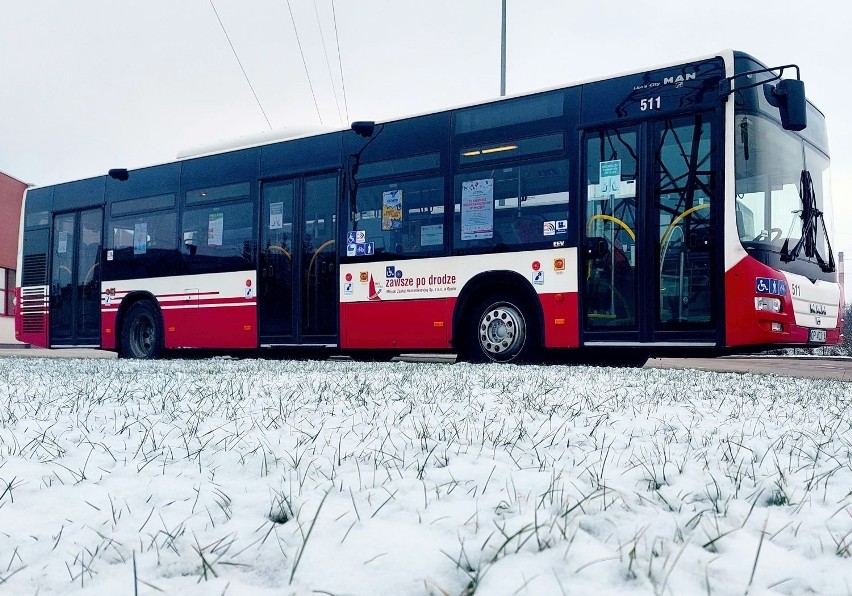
<point x="502" y="330"/>
<point x="142" y="332"/>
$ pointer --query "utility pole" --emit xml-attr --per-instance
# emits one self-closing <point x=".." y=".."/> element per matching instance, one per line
<point x="503" y="53"/>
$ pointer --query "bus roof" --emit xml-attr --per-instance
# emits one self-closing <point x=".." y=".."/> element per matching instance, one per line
<point x="287" y="134"/>
<point x="307" y="131"/>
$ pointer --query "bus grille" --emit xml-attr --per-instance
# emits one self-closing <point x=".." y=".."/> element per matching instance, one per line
<point x="34" y="270"/>
<point x="33" y="309"/>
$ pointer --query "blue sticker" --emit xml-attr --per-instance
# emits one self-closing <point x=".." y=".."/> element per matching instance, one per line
<point x="390" y="271"/>
<point x="360" y="250"/>
<point x="350" y="237"/>
<point x="351" y="249"/>
<point x="769" y="285"/>
<point x="399" y="273"/>
<point x="371" y="248"/>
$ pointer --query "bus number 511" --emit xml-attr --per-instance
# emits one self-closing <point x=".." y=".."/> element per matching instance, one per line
<point x="652" y="103"/>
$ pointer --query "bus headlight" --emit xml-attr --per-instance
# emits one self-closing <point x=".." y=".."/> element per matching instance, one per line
<point x="768" y="304"/>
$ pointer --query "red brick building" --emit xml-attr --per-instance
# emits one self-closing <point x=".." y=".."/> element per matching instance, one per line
<point x="11" y="199"/>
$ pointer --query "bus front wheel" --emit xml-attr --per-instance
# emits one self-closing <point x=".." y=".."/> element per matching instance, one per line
<point x="501" y="331"/>
<point x="142" y="333"/>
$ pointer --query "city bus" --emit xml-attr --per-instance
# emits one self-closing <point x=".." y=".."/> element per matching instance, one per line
<point x="681" y="209"/>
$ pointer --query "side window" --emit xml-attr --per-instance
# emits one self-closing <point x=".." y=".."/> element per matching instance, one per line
<point x="218" y="238"/>
<point x="514" y="206"/>
<point x="139" y="236"/>
<point x="399" y="217"/>
<point x="141" y="245"/>
<point x="513" y="112"/>
<point x="217" y="232"/>
<point x="7" y="291"/>
<point x="141" y="228"/>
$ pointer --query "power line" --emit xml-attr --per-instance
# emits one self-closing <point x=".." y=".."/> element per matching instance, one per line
<point x="222" y="25"/>
<point x="327" y="62"/>
<point x="304" y="63"/>
<point x="339" y="61"/>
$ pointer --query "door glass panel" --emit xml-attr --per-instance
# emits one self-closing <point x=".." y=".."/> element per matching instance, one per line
<point x="319" y="257"/>
<point x="89" y="275"/>
<point x="612" y="228"/>
<point x="62" y="278"/>
<point x="275" y="297"/>
<point x="684" y="192"/>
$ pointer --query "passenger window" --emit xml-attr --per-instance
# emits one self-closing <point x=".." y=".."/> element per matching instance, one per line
<point x="139" y="235"/>
<point x="519" y="207"/>
<point x="399" y="217"/>
<point x="218" y="238"/>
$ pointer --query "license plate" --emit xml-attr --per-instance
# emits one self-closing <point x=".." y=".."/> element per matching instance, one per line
<point x="817" y="336"/>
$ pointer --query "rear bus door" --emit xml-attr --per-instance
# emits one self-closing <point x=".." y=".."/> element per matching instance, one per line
<point x="75" y="279"/>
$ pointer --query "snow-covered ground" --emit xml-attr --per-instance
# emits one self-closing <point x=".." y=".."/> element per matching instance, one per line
<point x="237" y="477"/>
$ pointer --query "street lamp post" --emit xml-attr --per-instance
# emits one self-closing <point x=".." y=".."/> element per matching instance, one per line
<point x="503" y="53"/>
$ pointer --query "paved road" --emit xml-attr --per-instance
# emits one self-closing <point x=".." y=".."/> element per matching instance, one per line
<point x="65" y="353"/>
<point x="808" y="367"/>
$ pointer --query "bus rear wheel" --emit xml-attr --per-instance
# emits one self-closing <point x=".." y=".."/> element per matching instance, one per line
<point x="501" y="331"/>
<point x="142" y="333"/>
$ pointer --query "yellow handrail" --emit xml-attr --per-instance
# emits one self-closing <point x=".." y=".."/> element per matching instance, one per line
<point x="317" y="252"/>
<point x="676" y="221"/>
<point x="311" y="266"/>
<point x="614" y="220"/>
<point x="281" y="249"/>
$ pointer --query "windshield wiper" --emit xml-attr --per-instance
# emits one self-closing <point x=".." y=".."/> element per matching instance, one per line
<point x="810" y="216"/>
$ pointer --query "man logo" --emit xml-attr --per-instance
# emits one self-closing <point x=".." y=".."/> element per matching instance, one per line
<point x="679" y="80"/>
<point x="818" y="309"/>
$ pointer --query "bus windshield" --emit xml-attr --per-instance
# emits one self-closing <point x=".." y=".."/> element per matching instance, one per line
<point x="783" y="188"/>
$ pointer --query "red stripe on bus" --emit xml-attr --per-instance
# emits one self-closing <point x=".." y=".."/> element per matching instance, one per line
<point x="221" y="328"/>
<point x="561" y="320"/>
<point x="427" y="324"/>
<point x="397" y="324"/>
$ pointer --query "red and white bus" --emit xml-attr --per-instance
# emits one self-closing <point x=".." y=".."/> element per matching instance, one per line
<point x="680" y="209"/>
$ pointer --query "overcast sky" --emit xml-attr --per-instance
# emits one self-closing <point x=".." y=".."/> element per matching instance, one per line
<point x="88" y="85"/>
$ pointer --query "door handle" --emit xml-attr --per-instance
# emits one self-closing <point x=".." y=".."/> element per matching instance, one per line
<point x="596" y="247"/>
<point x="700" y="241"/>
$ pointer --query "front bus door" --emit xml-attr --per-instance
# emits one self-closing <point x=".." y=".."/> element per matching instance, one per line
<point x="75" y="279"/>
<point x="649" y="272"/>
<point x="297" y="278"/>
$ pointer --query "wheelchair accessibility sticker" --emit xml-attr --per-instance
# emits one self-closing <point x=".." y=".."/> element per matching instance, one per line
<point x="768" y="285"/>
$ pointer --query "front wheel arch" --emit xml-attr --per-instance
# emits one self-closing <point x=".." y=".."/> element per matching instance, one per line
<point x="485" y="286"/>
<point x="502" y="328"/>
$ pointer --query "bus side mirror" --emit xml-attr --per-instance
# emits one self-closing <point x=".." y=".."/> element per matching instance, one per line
<point x="789" y="97"/>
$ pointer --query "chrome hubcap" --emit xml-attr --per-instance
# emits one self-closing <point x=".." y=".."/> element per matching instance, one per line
<point x="502" y="331"/>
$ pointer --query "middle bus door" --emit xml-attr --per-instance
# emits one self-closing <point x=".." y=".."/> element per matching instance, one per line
<point x="649" y="270"/>
<point x="297" y="276"/>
